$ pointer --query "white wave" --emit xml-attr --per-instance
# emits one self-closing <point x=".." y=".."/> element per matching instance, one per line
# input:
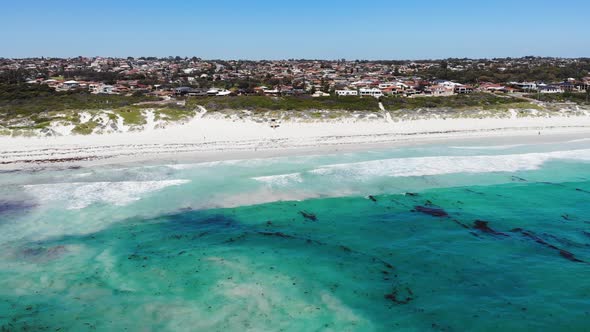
<point x="579" y="140"/>
<point x="281" y="179"/>
<point x="256" y="162"/>
<point x="78" y="195"/>
<point x="491" y="147"/>
<point x="420" y="166"/>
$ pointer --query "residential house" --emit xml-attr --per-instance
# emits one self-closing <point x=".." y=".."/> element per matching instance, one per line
<point x="373" y="92"/>
<point x="347" y="93"/>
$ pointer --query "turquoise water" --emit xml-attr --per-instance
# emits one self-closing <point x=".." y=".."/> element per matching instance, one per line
<point x="431" y="238"/>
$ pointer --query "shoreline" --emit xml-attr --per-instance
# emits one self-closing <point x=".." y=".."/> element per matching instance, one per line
<point x="211" y="138"/>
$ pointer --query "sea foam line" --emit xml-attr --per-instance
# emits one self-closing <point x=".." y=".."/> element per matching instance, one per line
<point x="78" y="195"/>
<point x="424" y="166"/>
<point x="420" y="166"/>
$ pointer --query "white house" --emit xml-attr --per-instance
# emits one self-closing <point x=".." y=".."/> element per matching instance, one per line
<point x="101" y="88"/>
<point x="318" y="94"/>
<point x="439" y="90"/>
<point x="526" y="86"/>
<point x="218" y="92"/>
<point x="549" y="89"/>
<point x="347" y="93"/>
<point x="374" y="92"/>
<point x="224" y="92"/>
<point x="71" y="84"/>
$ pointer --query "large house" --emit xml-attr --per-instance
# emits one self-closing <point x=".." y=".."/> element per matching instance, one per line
<point x="439" y="90"/>
<point x="347" y="93"/>
<point x="373" y="92"/>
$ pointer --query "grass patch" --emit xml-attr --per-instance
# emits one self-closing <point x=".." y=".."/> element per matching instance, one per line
<point x="173" y="114"/>
<point x="29" y="100"/>
<point x="85" y="128"/>
<point x="263" y="103"/>
<point x="566" y="97"/>
<point x="131" y="116"/>
<point x="480" y="100"/>
<point x="515" y="106"/>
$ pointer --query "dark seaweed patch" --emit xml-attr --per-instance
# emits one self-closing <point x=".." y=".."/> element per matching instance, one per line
<point x="432" y="211"/>
<point x="483" y="227"/>
<point x="372" y="198"/>
<point x="461" y="224"/>
<point x="563" y="253"/>
<point x="309" y="216"/>
<point x="12" y="207"/>
<point x="474" y="192"/>
<point x="44" y="254"/>
<point x="518" y="179"/>
<point x="285" y="236"/>
<point x="412" y="194"/>
<point x="402" y="295"/>
<point x="277" y="234"/>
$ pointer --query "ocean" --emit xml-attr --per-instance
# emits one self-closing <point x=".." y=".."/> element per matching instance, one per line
<point x="470" y="236"/>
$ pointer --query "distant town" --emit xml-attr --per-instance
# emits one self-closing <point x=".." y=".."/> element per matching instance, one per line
<point x="176" y="76"/>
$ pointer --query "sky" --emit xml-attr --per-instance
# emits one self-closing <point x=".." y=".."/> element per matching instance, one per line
<point x="310" y="29"/>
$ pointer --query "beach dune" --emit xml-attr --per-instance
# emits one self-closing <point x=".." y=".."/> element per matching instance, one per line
<point x="214" y="133"/>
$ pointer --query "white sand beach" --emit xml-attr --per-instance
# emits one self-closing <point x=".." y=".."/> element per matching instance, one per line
<point x="215" y="134"/>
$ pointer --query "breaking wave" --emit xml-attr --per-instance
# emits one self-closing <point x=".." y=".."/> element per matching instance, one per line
<point x="491" y="147"/>
<point x="78" y="195"/>
<point x="424" y="166"/>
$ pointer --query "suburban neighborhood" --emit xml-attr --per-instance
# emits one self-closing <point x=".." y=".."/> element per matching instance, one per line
<point x="176" y="76"/>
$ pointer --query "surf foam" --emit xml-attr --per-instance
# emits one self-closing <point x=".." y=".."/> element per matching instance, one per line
<point x="421" y="166"/>
<point x="78" y="195"/>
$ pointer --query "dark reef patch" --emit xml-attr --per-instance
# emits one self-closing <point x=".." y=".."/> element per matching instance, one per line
<point x="474" y="192"/>
<point x="309" y="216"/>
<point x="43" y="254"/>
<point x="13" y="207"/>
<point x="277" y="234"/>
<point x="563" y="253"/>
<point x="431" y="211"/>
<point x="484" y="227"/>
<point x="403" y="295"/>
<point x="461" y="224"/>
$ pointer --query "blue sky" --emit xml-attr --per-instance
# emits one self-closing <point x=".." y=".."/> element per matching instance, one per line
<point x="233" y="29"/>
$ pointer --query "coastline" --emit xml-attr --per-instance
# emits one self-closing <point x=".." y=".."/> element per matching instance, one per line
<point x="212" y="138"/>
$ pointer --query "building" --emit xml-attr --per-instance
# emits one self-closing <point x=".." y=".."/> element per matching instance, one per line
<point x="439" y="90"/>
<point x="318" y="94"/>
<point x="99" y="88"/>
<point x="462" y="89"/>
<point x="373" y="92"/>
<point x="71" y="84"/>
<point x="341" y="93"/>
<point x="549" y="89"/>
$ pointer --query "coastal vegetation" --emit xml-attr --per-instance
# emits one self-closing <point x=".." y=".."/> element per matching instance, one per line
<point x="566" y="97"/>
<point x="351" y="103"/>
<point x="476" y="100"/>
<point x="29" y="107"/>
<point x="263" y="103"/>
<point x="26" y="99"/>
<point x="25" y="108"/>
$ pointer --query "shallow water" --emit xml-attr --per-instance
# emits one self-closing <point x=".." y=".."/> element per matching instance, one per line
<point x="441" y="238"/>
